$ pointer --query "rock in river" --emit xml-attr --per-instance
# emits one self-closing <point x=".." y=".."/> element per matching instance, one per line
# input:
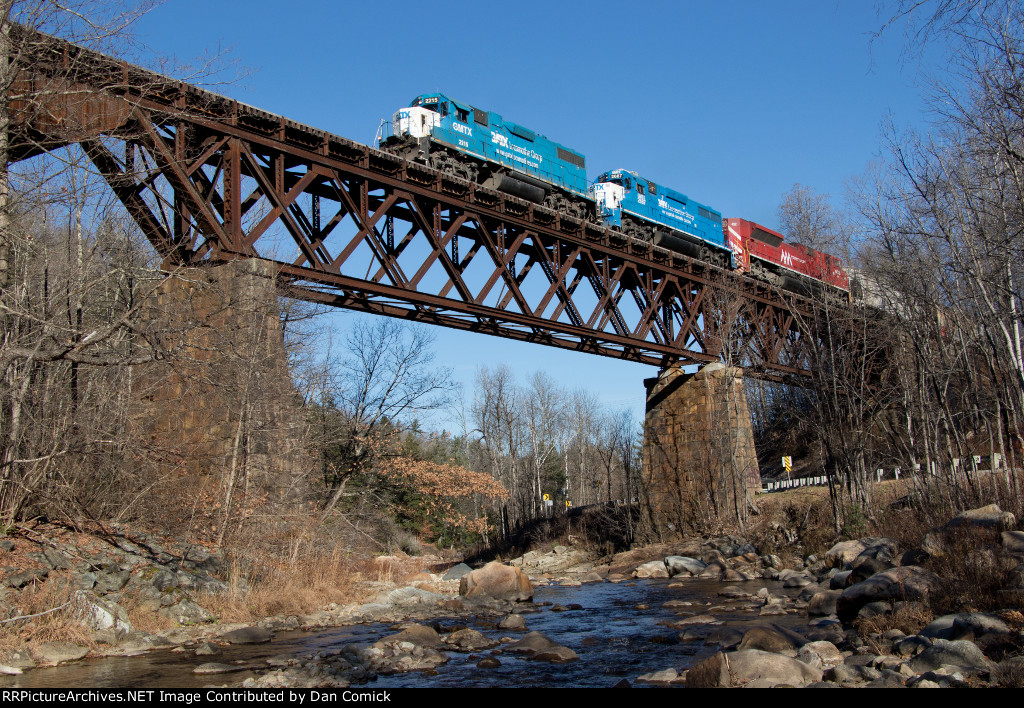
<point x="498" y="581"/>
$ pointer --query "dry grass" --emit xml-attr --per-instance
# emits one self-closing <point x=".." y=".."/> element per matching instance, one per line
<point x="975" y="574"/>
<point x="64" y="624"/>
<point x="304" y="586"/>
<point x="142" y="618"/>
<point x="908" y="618"/>
<point x="803" y="511"/>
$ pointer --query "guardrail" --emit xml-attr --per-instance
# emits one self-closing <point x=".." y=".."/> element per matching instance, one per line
<point x="976" y="463"/>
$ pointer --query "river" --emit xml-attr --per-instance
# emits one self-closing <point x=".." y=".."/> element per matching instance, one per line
<point x="621" y="632"/>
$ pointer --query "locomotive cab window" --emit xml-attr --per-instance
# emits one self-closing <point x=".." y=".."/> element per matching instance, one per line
<point x="639" y="188"/>
<point x="629" y="184"/>
<point x="652" y="188"/>
<point x="461" y="114"/>
<point x="443" y="109"/>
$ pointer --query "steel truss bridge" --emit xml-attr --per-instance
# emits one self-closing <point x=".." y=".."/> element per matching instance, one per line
<point x="208" y="179"/>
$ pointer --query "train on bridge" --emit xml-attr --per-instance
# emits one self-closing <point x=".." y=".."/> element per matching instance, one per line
<point x="485" y="148"/>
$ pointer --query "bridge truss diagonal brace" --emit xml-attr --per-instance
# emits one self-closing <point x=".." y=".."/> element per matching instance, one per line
<point x="202" y="151"/>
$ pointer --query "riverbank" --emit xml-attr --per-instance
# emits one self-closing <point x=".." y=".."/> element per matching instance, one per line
<point x="866" y="612"/>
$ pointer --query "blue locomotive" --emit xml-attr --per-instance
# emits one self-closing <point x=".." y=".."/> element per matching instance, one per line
<point x="482" y="147"/>
<point x="651" y="212"/>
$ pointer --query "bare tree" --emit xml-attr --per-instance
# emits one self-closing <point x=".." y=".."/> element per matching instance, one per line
<point x="947" y="228"/>
<point x="386" y="376"/>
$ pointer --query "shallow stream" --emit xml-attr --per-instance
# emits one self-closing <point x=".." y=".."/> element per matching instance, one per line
<point x="621" y="632"/>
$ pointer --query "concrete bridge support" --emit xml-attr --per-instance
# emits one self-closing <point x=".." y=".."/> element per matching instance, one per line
<point x="699" y="462"/>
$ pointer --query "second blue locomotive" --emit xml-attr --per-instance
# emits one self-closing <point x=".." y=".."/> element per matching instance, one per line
<point x="484" y="148"/>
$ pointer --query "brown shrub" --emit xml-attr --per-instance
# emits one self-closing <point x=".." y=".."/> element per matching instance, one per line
<point x="975" y="573"/>
<point x="59" y="616"/>
<point x="1010" y="673"/>
<point x="909" y="618"/>
<point x="291" y="588"/>
<point x="799" y="517"/>
<point x="905" y="525"/>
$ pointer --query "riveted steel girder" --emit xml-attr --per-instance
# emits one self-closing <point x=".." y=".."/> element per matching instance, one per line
<point x="208" y="179"/>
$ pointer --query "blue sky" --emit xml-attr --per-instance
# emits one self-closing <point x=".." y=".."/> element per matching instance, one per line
<point x="731" y="103"/>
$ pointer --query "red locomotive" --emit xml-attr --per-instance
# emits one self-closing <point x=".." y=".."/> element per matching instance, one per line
<point x="766" y="256"/>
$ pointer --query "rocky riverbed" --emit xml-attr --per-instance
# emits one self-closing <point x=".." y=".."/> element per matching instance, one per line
<point x="701" y="613"/>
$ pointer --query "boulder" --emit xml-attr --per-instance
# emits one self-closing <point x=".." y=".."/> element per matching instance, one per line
<point x="20" y="580"/>
<point x="865" y="567"/>
<point x="986" y="520"/>
<point x="838" y="580"/>
<point x="988" y="517"/>
<point x="17" y="658"/>
<point x="407" y="596"/>
<point x="750" y="667"/>
<point x="556" y="655"/>
<point x="904" y="583"/>
<point x="60" y="652"/>
<point x="715" y="569"/>
<point x="821" y="654"/>
<point x="515" y="622"/>
<point x="540" y="648"/>
<point x="724" y="637"/>
<point x="664" y="676"/>
<point x="102" y="614"/>
<point x="653" y="569"/>
<point x="843" y="553"/>
<point x="247" y="635"/>
<point x="187" y="612"/>
<point x="678" y="565"/>
<point x="456" y="572"/>
<point x="809" y="591"/>
<point x="888" y="679"/>
<point x="823" y="603"/>
<point x="470" y="640"/>
<point x="419" y="635"/>
<point x="497" y="581"/>
<point x="880" y="549"/>
<point x="111" y="581"/>
<point x="797" y="580"/>
<point x="875" y="609"/>
<point x="911" y="646"/>
<point x="852" y="674"/>
<point x="771" y="639"/>
<point x="959" y="653"/>
<point x="215" y="668"/>
<point x="139" y="641"/>
<point x="1013" y="542"/>
<point x="974" y="623"/>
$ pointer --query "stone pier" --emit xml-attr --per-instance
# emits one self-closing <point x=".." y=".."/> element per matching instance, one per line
<point x="221" y="410"/>
<point x="699" y="461"/>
